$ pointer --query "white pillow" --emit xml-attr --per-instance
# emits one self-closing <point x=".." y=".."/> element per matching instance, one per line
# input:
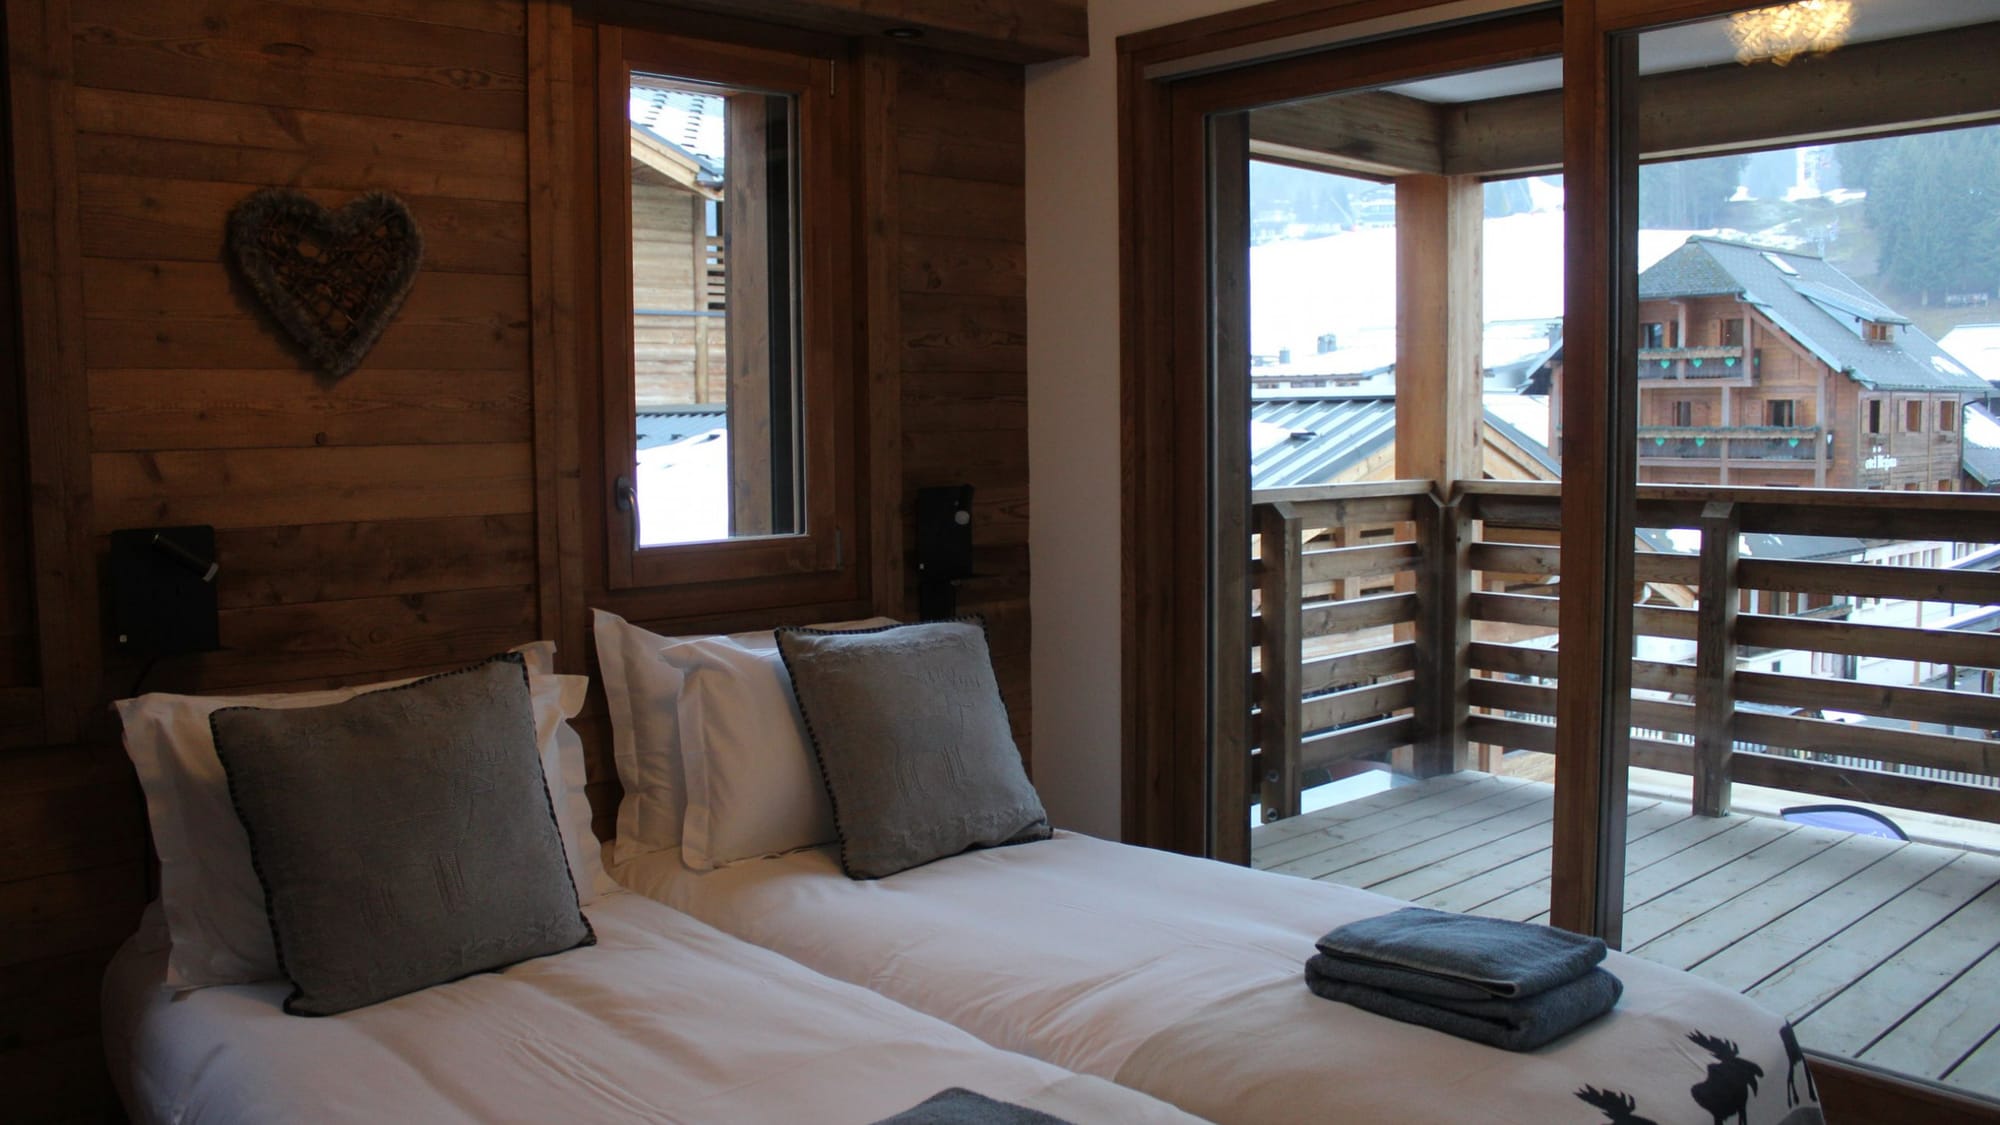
<point x="213" y="902"/>
<point x="753" y="785"/>
<point x="641" y="694"/>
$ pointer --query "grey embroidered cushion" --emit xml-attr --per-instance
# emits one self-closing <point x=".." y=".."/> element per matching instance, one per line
<point x="913" y="743"/>
<point x="403" y="838"/>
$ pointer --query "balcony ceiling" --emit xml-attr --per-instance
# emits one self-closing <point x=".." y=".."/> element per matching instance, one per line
<point x="1701" y="44"/>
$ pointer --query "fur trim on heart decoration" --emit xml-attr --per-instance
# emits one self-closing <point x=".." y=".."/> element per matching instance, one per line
<point x="332" y="279"/>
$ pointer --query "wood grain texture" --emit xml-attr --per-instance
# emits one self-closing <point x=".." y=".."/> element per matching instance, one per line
<point x="266" y="487"/>
<point x="182" y="220"/>
<point x="302" y="56"/>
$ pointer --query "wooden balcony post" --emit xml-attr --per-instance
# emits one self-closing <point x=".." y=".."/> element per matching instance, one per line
<point x="1443" y="635"/>
<point x="1280" y="583"/>
<point x="1715" y="658"/>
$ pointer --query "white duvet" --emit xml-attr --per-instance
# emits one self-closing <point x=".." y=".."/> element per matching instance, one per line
<point x="1183" y="978"/>
<point x="664" y="1020"/>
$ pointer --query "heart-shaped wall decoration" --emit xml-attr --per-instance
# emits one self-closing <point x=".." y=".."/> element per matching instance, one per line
<point x="332" y="279"/>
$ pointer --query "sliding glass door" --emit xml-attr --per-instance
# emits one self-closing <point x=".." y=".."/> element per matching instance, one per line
<point x="1812" y="269"/>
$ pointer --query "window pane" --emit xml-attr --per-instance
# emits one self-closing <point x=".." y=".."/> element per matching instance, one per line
<point x="1813" y="791"/>
<point x="715" y="312"/>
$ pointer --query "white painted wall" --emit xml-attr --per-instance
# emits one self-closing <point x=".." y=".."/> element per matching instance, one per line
<point x="1072" y="133"/>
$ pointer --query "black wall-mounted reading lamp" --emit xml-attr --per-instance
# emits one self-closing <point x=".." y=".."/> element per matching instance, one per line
<point x="163" y="595"/>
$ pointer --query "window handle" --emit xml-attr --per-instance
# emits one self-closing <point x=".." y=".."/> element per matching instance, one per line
<point x="623" y="496"/>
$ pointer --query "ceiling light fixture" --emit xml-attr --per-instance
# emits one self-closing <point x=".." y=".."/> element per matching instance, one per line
<point x="1787" y="31"/>
<point x="905" y="33"/>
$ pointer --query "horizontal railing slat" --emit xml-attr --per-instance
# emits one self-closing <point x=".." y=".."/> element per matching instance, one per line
<point x="1357" y="742"/>
<point x="1343" y="707"/>
<point x="1912" y="583"/>
<point x="1359" y="562"/>
<point x="1935" y="646"/>
<point x="1867" y="786"/>
<point x="1356" y="614"/>
<point x="1359" y="666"/>
<point x="1887" y="701"/>
<point x="1880" y="744"/>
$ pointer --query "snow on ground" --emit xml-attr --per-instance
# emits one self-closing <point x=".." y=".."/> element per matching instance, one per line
<point x="1345" y="284"/>
<point x="684" y="490"/>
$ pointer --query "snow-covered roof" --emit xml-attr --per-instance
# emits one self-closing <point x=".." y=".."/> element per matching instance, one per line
<point x="1817" y="305"/>
<point x="690" y="121"/>
<point x="1982" y="445"/>
<point x="1977" y="346"/>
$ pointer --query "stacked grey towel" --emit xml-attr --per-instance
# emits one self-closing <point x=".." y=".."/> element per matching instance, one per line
<point x="1511" y="984"/>
<point x="960" y="1106"/>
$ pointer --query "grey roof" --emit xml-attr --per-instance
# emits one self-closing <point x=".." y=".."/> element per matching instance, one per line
<point x="689" y="120"/>
<point x="1530" y="445"/>
<point x="665" y="425"/>
<point x="1819" y="306"/>
<point x="1330" y="435"/>
<point x="1982" y="462"/>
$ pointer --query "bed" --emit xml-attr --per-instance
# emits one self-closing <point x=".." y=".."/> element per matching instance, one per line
<point x="663" y="1020"/>
<point x="1181" y="978"/>
<point x="384" y="903"/>
<point x="815" y="791"/>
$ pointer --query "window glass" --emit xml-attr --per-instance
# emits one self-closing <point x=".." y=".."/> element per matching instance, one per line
<point x="714" y="311"/>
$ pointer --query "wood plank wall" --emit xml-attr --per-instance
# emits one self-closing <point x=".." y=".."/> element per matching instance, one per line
<point x="387" y="523"/>
<point x="962" y="306"/>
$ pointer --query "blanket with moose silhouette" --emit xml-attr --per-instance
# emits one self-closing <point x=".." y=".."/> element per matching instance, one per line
<point x="1180" y="977"/>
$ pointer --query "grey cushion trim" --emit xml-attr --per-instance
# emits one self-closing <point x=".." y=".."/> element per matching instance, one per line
<point x="913" y="743"/>
<point x="403" y="838"/>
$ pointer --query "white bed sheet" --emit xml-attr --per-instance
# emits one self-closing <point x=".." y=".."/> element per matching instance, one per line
<point x="664" y="1020"/>
<point x="1183" y="978"/>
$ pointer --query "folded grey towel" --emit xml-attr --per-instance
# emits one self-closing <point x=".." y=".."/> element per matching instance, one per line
<point x="1436" y="953"/>
<point x="1516" y="1025"/>
<point x="959" y="1106"/>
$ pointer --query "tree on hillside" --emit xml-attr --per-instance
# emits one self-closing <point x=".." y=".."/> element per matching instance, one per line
<point x="1688" y="194"/>
<point x="1934" y="200"/>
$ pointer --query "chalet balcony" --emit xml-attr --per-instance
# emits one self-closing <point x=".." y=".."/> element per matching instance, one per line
<point x="1406" y="632"/>
<point x="1730" y="443"/>
<point x="1732" y="365"/>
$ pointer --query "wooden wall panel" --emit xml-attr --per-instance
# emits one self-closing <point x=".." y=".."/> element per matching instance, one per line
<point x="961" y="280"/>
<point x="17" y="621"/>
<point x="373" y="527"/>
<point x="426" y="509"/>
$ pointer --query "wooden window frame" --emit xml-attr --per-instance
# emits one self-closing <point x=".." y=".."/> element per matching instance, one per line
<point x="827" y="359"/>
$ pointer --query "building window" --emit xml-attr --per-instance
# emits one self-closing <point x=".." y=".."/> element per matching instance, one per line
<point x="1875" y="332"/>
<point x="1683" y="413"/>
<point x="1944" y="486"/>
<point x="1732" y="332"/>
<point x="1781" y="412"/>
<point x="1652" y="334"/>
<point x="1947" y="417"/>
<point x="725" y="240"/>
<point x="1913" y="416"/>
<point x="1874" y="415"/>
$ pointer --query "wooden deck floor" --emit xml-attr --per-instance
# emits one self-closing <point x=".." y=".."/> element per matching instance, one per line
<point x="1878" y="950"/>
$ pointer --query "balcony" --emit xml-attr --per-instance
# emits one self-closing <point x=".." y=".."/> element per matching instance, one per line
<point x="1730" y="443"/>
<point x="1731" y="365"/>
<point x="1423" y="650"/>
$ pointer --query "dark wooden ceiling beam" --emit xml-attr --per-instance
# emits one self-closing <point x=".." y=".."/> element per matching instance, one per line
<point x="1023" y="31"/>
<point x="1923" y="81"/>
<point x="1373" y="134"/>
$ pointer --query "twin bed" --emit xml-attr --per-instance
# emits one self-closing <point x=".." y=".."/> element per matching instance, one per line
<point x="745" y="977"/>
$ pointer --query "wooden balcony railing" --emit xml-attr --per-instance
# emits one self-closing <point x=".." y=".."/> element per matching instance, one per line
<point x="1392" y="620"/>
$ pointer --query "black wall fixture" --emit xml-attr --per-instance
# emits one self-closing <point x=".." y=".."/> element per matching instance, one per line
<point x="163" y="590"/>
<point x="944" y="548"/>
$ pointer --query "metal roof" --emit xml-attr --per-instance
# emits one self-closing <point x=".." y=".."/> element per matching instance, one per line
<point x="690" y="121"/>
<point x="1817" y="305"/>
<point x="1314" y="440"/>
<point x="665" y="425"/>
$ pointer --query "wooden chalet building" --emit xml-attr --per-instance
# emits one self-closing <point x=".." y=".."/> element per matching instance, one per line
<point x="1771" y="368"/>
